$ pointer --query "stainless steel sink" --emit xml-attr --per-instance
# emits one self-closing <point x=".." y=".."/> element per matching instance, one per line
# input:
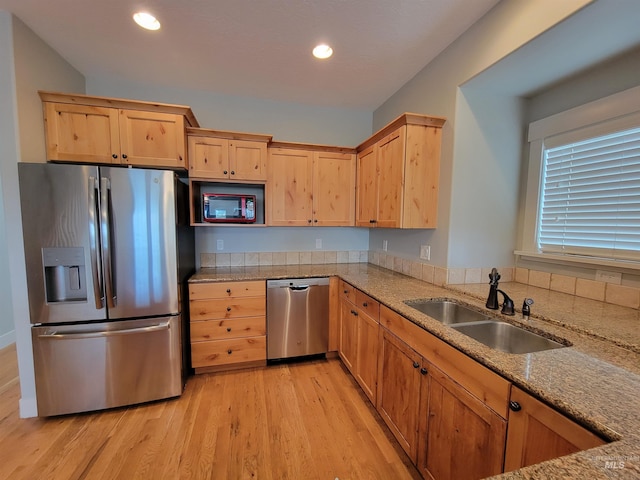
<point x="506" y="337"/>
<point x="446" y="311"/>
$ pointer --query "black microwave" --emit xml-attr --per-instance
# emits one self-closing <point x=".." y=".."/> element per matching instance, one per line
<point x="228" y="208"/>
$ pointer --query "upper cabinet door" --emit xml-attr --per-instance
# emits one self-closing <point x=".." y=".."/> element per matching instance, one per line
<point x="247" y="160"/>
<point x="208" y="157"/>
<point x="152" y="139"/>
<point x="390" y="157"/>
<point x="367" y="188"/>
<point x="289" y="187"/>
<point x="81" y="133"/>
<point x="334" y="180"/>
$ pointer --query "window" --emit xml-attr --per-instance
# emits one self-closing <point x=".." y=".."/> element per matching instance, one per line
<point x="582" y="198"/>
<point x="590" y="197"/>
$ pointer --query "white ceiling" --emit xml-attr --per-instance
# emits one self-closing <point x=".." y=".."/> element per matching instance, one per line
<point x="256" y="48"/>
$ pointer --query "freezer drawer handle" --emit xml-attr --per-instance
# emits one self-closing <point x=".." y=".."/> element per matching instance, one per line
<point x="96" y="269"/>
<point x="110" y="333"/>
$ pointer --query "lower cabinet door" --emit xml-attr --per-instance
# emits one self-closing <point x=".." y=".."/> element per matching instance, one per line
<point x="367" y="362"/>
<point x="459" y="437"/>
<point x="347" y="347"/>
<point x="399" y="390"/>
<point x="537" y="433"/>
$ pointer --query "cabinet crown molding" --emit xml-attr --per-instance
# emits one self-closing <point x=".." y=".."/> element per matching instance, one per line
<point x="81" y="99"/>
<point x="404" y="119"/>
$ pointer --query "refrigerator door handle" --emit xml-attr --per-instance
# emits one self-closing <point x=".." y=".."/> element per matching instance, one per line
<point x="105" y="231"/>
<point x="107" y="333"/>
<point x="94" y="245"/>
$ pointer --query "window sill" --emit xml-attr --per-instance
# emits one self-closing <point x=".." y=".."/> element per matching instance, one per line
<point x="619" y="265"/>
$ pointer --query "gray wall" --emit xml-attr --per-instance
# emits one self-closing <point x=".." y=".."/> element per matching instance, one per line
<point x="286" y="122"/>
<point x="27" y="64"/>
<point x="479" y="83"/>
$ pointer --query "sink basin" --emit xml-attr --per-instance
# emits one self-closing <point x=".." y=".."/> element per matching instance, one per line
<point x="447" y="312"/>
<point x="506" y="337"/>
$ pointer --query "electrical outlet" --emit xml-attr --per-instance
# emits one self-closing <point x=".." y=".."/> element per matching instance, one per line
<point x="220" y="244"/>
<point x="318" y="243"/>
<point x="425" y="252"/>
<point x="385" y="244"/>
<point x="608" y="277"/>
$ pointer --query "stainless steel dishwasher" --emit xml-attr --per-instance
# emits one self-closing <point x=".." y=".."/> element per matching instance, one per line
<point x="297" y="317"/>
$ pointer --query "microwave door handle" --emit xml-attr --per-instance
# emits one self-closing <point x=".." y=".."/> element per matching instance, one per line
<point x="105" y="231"/>
<point x="94" y="245"/>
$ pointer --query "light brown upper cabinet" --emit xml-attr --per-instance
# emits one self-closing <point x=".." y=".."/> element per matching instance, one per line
<point x="227" y="156"/>
<point x="85" y="129"/>
<point x="310" y="185"/>
<point x="398" y="174"/>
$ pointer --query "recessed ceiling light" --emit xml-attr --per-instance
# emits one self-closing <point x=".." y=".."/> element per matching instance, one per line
<point x="322" y="51"/>
<point x="146" y="20"/>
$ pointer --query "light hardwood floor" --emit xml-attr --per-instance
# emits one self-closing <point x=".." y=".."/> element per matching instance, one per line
<point x="298" y="421"/>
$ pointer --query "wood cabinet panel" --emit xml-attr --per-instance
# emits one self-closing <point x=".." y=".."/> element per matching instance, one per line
<point x="247" y="160"/>
<point x="218" y="329"/>
<point x="460" y="437"/>
<point x="390" y="157"/>
<point x="81" y="133"/>
<point x="208" y="157"/>
<point x="348" y="291"/>
<point x="367" y="355"/>
<point x="152" y="139"/>
<point x="537" y="433"/>
<point x="289" y="185"/>
<point x="367" y="188"/>
<point x="227" y="308"/>
<point x="334" y="180"/>
<point x="228" y="352"/>
<point x="199" y="291"/>
<point x="474" y="377"/>
<point x="348" y="345"/>
<point x="367" y="305"/>
<point x="399" y="390"/>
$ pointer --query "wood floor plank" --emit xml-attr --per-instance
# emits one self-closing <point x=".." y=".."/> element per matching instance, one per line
<point x="299" y="420"/>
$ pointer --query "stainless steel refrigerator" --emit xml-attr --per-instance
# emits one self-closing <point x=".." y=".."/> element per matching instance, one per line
<point x="108" y="251"/>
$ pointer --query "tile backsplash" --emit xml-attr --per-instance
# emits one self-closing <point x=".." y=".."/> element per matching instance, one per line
<point x="627" y="296"/>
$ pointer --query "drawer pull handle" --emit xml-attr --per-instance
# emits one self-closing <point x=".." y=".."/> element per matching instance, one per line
<point x="228" y="309"/>
<point x="228" y="329"/>
<point x="416" y="364"/>
<point x="229" y="351"/>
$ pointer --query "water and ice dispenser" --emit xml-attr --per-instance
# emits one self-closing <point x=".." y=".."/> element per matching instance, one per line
<point x="64" y="274"/>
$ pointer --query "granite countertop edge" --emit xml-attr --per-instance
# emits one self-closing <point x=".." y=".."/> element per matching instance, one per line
<point x="603" y="401"/>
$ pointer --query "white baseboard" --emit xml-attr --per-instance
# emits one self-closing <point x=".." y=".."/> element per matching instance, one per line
<point x="28" y="407"/>
<point x="7" y="339"/>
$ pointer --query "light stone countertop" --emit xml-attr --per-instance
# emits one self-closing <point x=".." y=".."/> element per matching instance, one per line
<point x="596" y="380"/>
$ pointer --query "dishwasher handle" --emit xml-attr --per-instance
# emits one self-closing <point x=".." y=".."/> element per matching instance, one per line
<point x="299" y="287"/>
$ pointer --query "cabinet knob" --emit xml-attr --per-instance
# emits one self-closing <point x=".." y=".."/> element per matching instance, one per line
<point x="515" y="406"/>
<point x="124" y="155"/>
<point x="114" y="156"/>
<point x="423" y="371"/>
<point x="228" y="309"/>
<point x="416" y="364"/>
<point x="228" y="290"/>
<point x="233" y="172"/>
<point x="229" y="351"/>
<point x="315" y="220"/>
<point x="346" y="292"/>
<point x="372" y="221"/>
<point x="225" y="172"/>
<point x="365" y="304"/>
<point x="228" y="329"/>
<point x="353" y="312"/>
<point x="309" y="220"/>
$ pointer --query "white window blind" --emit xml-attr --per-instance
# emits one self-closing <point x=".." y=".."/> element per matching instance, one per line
<point x="590" y="198"/>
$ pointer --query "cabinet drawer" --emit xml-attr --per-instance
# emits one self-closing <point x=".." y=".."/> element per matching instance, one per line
<point x="227" y="328"/>
<point x="347" y="291"/>
<point x="368" y="305"/>
<point x="476" y="378"/>
<point x="199" y="291"/>
<point x="227" y="308"/>
<point x="227" y="352"/>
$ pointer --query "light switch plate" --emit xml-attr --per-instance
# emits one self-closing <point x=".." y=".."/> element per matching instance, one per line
<point x="220" y="244"/>
<point x="425" y="252"/>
